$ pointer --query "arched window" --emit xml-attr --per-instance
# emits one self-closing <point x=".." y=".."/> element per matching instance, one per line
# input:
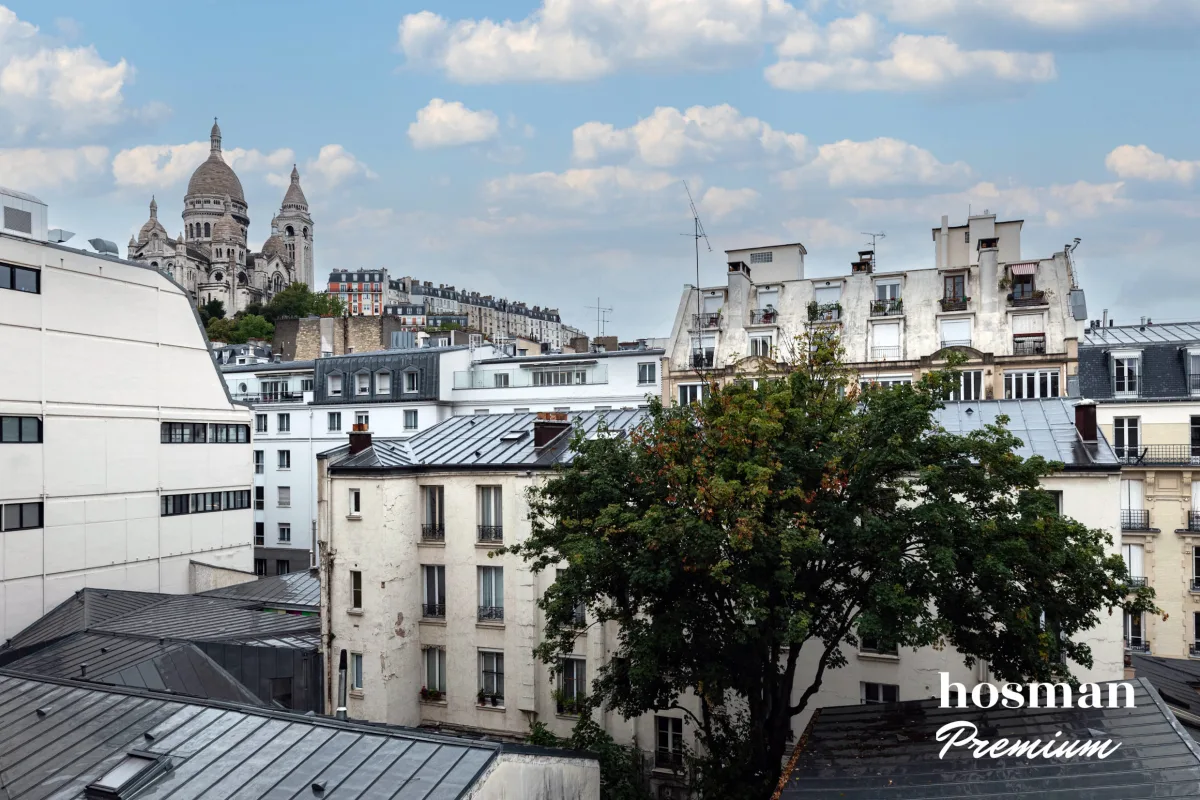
<point x="277" y="283"/>
<point x="154" y="236"/>
<point x="207" y="230"/>
<point x="306" y="232"/>
<point x="290" y="230"/>
<point x="241" y="279"/>
<point x="154" y="264"/>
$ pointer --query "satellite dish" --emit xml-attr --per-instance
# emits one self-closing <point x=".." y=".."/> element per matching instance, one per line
<point x="104" y="246"/>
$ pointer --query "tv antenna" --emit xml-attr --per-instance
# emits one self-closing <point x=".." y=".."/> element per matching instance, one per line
<point x="874" y="253"/>
<point x="601" y="316"/>
<point x="697" y="234"/>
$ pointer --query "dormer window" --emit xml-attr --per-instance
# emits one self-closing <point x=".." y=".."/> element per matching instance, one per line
<point x="362" y="383"/>
<point x="1193" y="371"/>
<point x="335" y="385"/>
<point x="383" y="382"/>
<point x="411" y="382"/>
<point x="1126" y="373"/>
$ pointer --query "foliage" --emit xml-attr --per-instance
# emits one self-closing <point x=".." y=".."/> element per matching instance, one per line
<point x="621" y="774"/>
<point x="220" y="330"/>
<point x="793" y="512"/>
<point x="213" y="309"/>
<point x="298" y="301"/>
<point x="256" y="308"/>
<point x="240" y="329"/>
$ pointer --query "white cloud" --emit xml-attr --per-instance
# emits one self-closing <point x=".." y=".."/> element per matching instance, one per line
<point x="573" y="40"/>
<point x="581" y="186"/>
<point x="48" y="91"/>
<point x="820" y="232"/>
<point x="719" y="203"/>
<point x="255" y="161"/>
<point x="334" y="165"/>
<point x="154" y="166"/>
<point x="1054" y="15"/>
<point x="1056" y="204"/>
<point x="442" y="124"/>
<point x="43" y="168"/>
<point x="882" y="161"/>
<point x="1139" y="162"/>
<point x="701" y="133"/>
<point x="909" y="62"/>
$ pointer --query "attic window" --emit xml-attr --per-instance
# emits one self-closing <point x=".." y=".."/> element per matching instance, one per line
<point x="514" y="436"/>
<point x="128" y="776"/>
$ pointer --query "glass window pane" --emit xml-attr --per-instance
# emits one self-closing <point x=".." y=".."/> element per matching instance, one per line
<point x="25" y="280"/>
<point x="31" y="515"/>
<point x="10" y="429"/>
<point x="5" y="277"/>
<point x="12" y="517"/>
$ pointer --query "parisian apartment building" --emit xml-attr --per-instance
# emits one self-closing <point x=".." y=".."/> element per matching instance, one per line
<point x="1146" y="380"/>
<point x="440" y="628"/>
<point x="122" y="454"/>
<point x="1017" y="320"/>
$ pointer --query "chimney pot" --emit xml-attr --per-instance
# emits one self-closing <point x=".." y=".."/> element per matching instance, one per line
<point x="359" y="440"/>
<point x="1085" y="420"/>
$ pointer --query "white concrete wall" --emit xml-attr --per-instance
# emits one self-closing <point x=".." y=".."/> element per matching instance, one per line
<point x="620" y="388"/>
<point x="105" y="353"/>
<point x="538" y="777"/>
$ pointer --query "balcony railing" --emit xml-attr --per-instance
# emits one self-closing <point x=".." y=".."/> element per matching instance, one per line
<point x="491" y="613"/>
<point x="1136" y="582"/>
<point x="1037" y="298"/>
<point x="1193" y="523"/>
<point x="668" y="759"/>
<point x="491" y="533"/>
<point x="701" y="360"/>
<point x="1194" y="650"/>
<point x="1029" y="345"/>
<point x="1195" y="584"/>
<point x="702" y="321"/>
<point x="433" y="533"/>
<point x="433" y="610"/>
<point x="824" y="312"/>
<point x="1137" y="645"/>
<point x="885" y="353"/>
<point x="764" y="317"/>
<point x="1135" y="519"/>
<point x="955" y="303"/>
<point x="269" y="397"/>
<point x="1194" y="383"/>
<point x="887" y="308"/>
<point x="524" y="378"/>
<point x="955" y="343"/>
<point x="1160" y="455"/>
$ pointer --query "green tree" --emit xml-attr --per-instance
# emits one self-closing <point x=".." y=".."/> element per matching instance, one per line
<point x="298" y="300"/>
<point x="213" y="309"/>
<point x="252" y="326"/>
<point x="621" y="774"/>
<point x="724" y="536"/>
<point x="327" y="305"/>
<point x="222" y="330"/>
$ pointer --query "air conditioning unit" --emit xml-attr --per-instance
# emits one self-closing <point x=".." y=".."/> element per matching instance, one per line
<point x="23" y="214"/>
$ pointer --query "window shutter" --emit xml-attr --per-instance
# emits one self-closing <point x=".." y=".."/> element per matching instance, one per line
<point x="1027" y="323"/>
<point x="828" y="294"/>
<point x="887" y="335"/>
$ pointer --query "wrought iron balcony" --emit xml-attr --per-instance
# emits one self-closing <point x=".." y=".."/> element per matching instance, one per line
<point x="703" y="321"/>
<point x="887" y="308"/>
<point x="701" y="360"/>
<point x="1135" y="519"/>
<point x="433" y="610"/>
<point x="1029" y="345"/>
<point x="764" y="317"/>
<point x="1037" y="298"/>
<point x="668" y="759"/>
<point x="824" y="312"/>
<point x="885" y="353"/>
<point x="433" y="533"/>
<point x="955" y="343"/>
<point x="1193" y="521"/>
<point x="1137" y="645"/>
<point x="1194" y="650"/>
<point x="1194" y="383"/>
<point x="1136" y="582"/>
<point x="1195" y="584"/>
<point x="269" y="397"/>
<point x="491" y="613"/>
<point x="491" y="533"/>
<point x="1160" y="455"/>
<point x="955" y="303"/>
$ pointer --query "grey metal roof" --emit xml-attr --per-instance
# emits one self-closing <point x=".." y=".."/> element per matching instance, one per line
<point x="139" y="662"/>
<point x="1132" y="335"/>
<point x="218" y="750"/>
<point x="295" y="641"/>
<point x="20" y="195"/>
<point x="80" y="611"/>
<point x="301" y="590"/>
<point x="399" y="351"/>
<point x="269" y="366"/>
<point x="889" y="752"/>
<point x="1177" y="680"/>
<point x="650" y="351"/>
<point x="480" y="440"/>
<point x="1046" y="426"/>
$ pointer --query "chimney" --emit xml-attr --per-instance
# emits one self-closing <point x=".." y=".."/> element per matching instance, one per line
<point x="1085" y="420"/>
<point x="341" y="709"/>
<point x="1104" y="319"/>
<point x="360" y="438"/>
<point x="548" y="426"/>
<point x="943" y="254"/>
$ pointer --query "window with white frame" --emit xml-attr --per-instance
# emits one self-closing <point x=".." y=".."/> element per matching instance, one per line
<point x="356" y="671"/>
<point x="334" y="421"/>
<point x="362" y="418"/>
<point x="886" y="290"/>
<point x="285" y="459"/>
<point x="410" y="419"/>
<point x="767" y="298"/>
<point x="765" y="257"/>
<point x="260" y="423"/>
<point x="885" y="341"/>
<point x="433" y="601"/>
<point x="873" y="693"/>
<point x="760" y="345"/>
<point x="284" y="423"/>
<point x="886" y="381"/>
<point x="970" y="385"/>
<point x="691" y="393"/>
<point x="500" y="380"/>
<point x="356" y="590"/>
<point x="647" y="372"/>
<point x="1135" y="631"/>
<point x="572" y="685"/>
<point x="285" y="532"/>
<point x="1126" y="374"/>
<point x="411" y="381"/>
<point x="1135" y="560"/>
<point x="284" y="497"/>
<point x="668" y="742"/>
<point x="1193" y="364"/>
<point x="956" y="332"/>
<point x="491" y="511"/>
<point x="362" y="383"/>
<point x="491" y="593"/>
<point x="259" y="463"/>
<point x="825" y="295"/>
<point x="1126" y="437"/>
<point x="491" y="674"/>
<point x="334" y="383"/>
<point x="355" y="502"/>
<point x="383" y="382"/>
<point x="1032" y="383"/>
<point x="435" y="669"/>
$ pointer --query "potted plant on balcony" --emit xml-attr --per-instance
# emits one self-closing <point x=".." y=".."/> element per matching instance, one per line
<point x="430" y="695"/>
<point x="814" y="308"/>
<point x="482" y="697"/>
<point x="495" y="698"/>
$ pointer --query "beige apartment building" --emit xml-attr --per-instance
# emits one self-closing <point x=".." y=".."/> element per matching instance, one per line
<point x="1016" y="320"/>
<point x="1146" y="380"/>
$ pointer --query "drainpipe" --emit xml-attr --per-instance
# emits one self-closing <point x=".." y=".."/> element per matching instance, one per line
<point x="341" y="709"/>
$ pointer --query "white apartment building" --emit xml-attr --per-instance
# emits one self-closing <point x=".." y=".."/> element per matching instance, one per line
<point x="122" y="455"/>
<point x="441" y="632"/>
<point x="1018" y="321"/>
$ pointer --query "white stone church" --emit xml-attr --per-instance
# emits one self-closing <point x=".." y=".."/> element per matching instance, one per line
<point x="210" y="258"/>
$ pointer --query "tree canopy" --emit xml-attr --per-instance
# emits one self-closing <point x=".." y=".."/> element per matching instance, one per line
<point x="240" y="329"/>
<point x="213" y="309"/>
<point x="791" y="512"/>
<point x="298" y="300"/>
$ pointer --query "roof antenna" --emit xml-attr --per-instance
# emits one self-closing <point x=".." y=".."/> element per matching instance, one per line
<point x="874" y="251"/>
<point x="601" y="317"/>
<point x="697" y="234"/>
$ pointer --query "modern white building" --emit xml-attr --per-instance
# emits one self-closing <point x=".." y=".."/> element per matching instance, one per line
<point x="441" y="629"/>
<point x="122" y="455"/>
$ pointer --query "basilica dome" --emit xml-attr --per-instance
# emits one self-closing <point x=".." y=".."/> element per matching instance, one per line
<point x="214" y="176"/>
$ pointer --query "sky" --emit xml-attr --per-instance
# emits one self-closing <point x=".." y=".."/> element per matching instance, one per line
<point x="539" y="151"/>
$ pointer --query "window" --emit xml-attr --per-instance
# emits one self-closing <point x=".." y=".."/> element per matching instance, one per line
<point x="500" y="380"/>
<point x="880" y="693"/>
<point x="285" y="497"/>
<point x="260" y="423"/>
<point x="285" y="459"/>
<point x="306" y="384"/>
<point x="22" y="279"/>
<point x="259" y="463"/>
<point x="954" y="287"/>
<point x="1035" y="383"/>
<point x="1135" y="638"/>
<point x="335" y="385"/>
<point x="355" y="588"/>
<point x="435" y="669"/>
<point x="362" y="418"/>
<point x="260" y="534"/>
<point x="355" y="502"/>
<point x="259" y="498"/>
<point x="886" y="381"/>
<point x="21" y="516"/>
<point x="356" y="671"/>
<point x="872" y="644"/>
<point x="284" y="423"/>
<point x="885" y="341"/>
<point x="572" y="685"/>
<point x="956" y="333"/>
<point x="1125" y="375"/>
<point x="433" y="602"/>
<point x="1058" y="501"/>
<point x="762" y="258"/>
<point x="559" y="377"/>
<point x="1135" y="561"/>
<point x="383" y="383"/>
<point x="1133" y="514"/>
<point x="668" y="744"/>
<point x="491" y="593"/>
<point x="887" y="290"/>
<point x="260" y="566"/>
<point x="760" y="346"/>
<point x="704" y="351"/>
<point x="285" y="533"/>
<point x="1022" y="287"/>
<point x="647" y="372"/>
<point x="1126" y="440"/>
<point x="491" y="673"/>
<point x="24" y="430"/>
<point x="970" y="386"/>
<point x="691" y="393"/>
<point x="767" y="299"/>
<point x="491" y="514"/>
<point x="410" y="419"/>
<point x="282" y="566"/>
<point x="334" y="423"/>
<point x="362" y="383"/>
<point x="411" y="382"/>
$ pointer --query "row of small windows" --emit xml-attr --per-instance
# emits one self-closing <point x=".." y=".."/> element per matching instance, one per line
<point x="20" y="516"/>
<point x="20" y="279"/>
<point x="202" y="502"/>
<point x="383" y="383"/>
<point x="199" y="432"/>
<point x="24" y="430"/>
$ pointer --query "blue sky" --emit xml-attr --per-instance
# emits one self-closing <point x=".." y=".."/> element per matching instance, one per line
<point x="536" y="151"/>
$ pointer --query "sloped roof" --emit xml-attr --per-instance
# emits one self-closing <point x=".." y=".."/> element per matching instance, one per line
<point x="889" y="752"/>
<point x="219" y="749"/>
<point x="1126" y="335"/>
<point x="300" y="590"/>
<point x="80" y="611"/>
<point x="1176" y="679"/>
